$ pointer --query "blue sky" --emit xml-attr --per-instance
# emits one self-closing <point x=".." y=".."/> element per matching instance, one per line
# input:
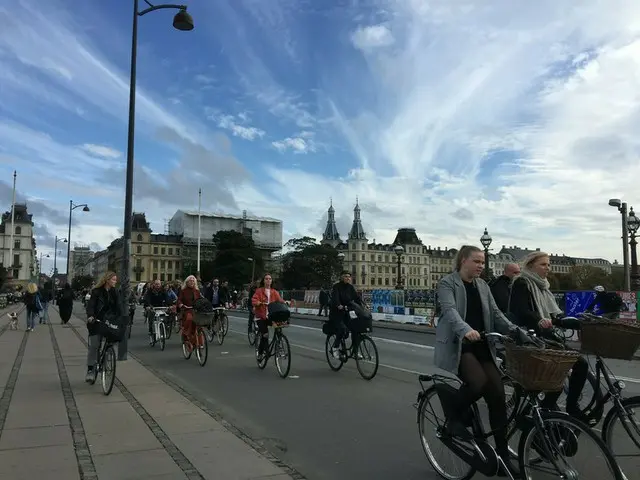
<point x="446" y="115"/>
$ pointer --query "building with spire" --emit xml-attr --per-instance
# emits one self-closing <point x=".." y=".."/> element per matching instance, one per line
<point x="331" y="235"/>
<point x="18" y="258"/>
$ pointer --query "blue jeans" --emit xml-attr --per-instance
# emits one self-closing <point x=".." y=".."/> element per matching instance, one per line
<point x="44" y="314"/>
<point x="31" y="318"/>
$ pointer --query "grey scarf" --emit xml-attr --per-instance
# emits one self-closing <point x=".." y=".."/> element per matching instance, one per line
<point x="543" y="299"/>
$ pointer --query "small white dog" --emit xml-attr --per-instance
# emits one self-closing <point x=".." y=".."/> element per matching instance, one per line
<point x="13" y="324"/>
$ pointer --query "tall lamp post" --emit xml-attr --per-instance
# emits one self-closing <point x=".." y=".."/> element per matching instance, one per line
<point x="253" y="269"/>
<point x="181" y="21"/>
<point x="40" y="265"/>
<point x="55" y="264"/>
<point x="486" y="240"/>
<point x="633" y="223"/>
<point x="622" y="208"/>
<point x="72" y="207"/>
<point x="341" y="263"/>
<point x="399" y="251"/>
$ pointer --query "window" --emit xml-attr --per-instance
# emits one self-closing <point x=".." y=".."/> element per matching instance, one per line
<point x="379" y="258"/>
<point x="386" y="258"/>
<point x="16" y="244"/>
<point x="177" y="251"/>
<point x="169" y="277"/>
<point x="162" y="264"/>
<point x="155" y="264"/>
<point x="163" y="251"/>
<point x="170" y="251"/>
<point x="138" y="277"/>
<point x="379" y="281"/>
<point x="386" y="269"/>
<point x="162" y="277"/>
<point x="138" y="262"/>
<point x="373" y="281"/>
<point x="139" y="249"/>
<point x="386" y="281"/>
<point x="373" y="269"/>
<point x="363" y="258"/>
<point x="139" y="237"/>
<point x="170" y="264"/>
<point x="353" y="257"/>
<point x="155" y="250"/>
<point x="18" y="230"/>
<point x="155" y="276"/>
<point x="373" y="257"/>
<point x="379" y="269"/>
<point x="364" y="246"/>
<point x="16" y="261"/>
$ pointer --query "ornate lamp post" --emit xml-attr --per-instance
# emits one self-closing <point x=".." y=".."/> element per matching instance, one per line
<point x="486" y="240"/>
<point x="622" y="208"/>
<point x="399" y="250"/>
<point x="633" y="223"/>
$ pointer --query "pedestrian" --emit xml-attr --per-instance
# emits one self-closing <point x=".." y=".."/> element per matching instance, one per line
<point x="65" y="304"/>
<point x="324" y="303"/>
<point x="33" y="303"/>
<point x="45" y="298"/>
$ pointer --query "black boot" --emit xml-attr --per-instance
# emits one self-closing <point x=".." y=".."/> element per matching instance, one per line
<point x="511" y="465"/>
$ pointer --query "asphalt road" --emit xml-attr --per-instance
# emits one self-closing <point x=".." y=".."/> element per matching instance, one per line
<point x="327" y="425"/>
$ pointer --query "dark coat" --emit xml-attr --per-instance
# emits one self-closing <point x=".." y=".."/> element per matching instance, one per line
<point x="501" y="289"/>
<point x="103" y="301"/>
<point x="342" y="294"/>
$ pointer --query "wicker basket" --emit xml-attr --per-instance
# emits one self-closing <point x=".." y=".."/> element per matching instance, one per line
<point x="202" y="319"/>
<point x="618" y="339"/>
<point x="538" y="370"/>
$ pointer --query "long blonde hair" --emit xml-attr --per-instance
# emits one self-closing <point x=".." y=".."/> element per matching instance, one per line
<point x="32" y="288"/>
<point x="195" y="282"/>
<point x="104" y="279"/>
<point x="532" y="258"/>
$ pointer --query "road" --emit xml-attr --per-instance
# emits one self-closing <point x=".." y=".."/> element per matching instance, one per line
<point x="326" y="425"/>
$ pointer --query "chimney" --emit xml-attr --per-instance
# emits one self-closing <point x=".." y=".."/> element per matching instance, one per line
<point x="537" y="249"/>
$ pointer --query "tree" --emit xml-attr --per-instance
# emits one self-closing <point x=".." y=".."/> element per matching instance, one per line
<point x="585" y="277"/>
<point x="561" y="281"/>
<point x="81" y="282"/>
<point x="231" y="262"/>
<point x="309" y="264"/>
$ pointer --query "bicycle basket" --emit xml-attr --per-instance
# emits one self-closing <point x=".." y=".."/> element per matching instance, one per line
<point x="202" y="319"/>
<point x="617" y="339"/>
<point x="538" y="370"/>
<point x="111" y="329"/>
<point x="361" y="324"/>
<point x="279" y="313"/>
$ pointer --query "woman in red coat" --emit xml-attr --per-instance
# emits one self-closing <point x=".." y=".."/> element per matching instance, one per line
<point x="188" y="296"/>
<point x="263" y="297"/>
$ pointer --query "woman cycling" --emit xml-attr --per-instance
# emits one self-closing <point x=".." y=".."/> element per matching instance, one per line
<point x="468" y="309"/>
<point x="263" y="296"/>
<point x="531" y="305"/>
<point x="188" y="296"/>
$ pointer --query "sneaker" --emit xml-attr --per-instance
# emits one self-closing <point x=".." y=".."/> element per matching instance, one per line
<point x="89" y="376"/>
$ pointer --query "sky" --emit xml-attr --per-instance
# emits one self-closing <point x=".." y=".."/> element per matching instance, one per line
<point x="448" y="116"/>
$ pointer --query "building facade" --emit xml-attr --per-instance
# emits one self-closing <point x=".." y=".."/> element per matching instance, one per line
<point x="20" y="261"/>
<point x="80" y="263"/>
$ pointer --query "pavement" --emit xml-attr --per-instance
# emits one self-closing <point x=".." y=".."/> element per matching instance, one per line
<point x="53" y="425"/>
<point x="326" y="425"/>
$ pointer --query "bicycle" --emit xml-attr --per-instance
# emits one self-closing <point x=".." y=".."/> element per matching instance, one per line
<point x="278" y="348"/>
<point x="160" y="327"/>
<point x="106" y="364"/>
<point x="538" y="441"/>
<point x="219" y="327"/>
<point x="252" y="332"/>
<point x="198" y="340"/>
<point x="366" y="348"/>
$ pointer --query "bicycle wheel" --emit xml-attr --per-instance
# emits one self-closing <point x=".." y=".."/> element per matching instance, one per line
<point x="219" y="332"/>
<point x="431" y="422"/>
<point x="252" y="334"/>
<point x="367" y="357"/>
<point x="624" y="444"/>
<point x="553" y="449"/>
<point x="282" y="355"/>
<point x="335" y="364"/>
<point x="224" y="320"/>
<point x="169" y="328"/>
<point x="187" y="349"/>
<point x="208" y="331"/>
<point x="261" y="361"/>
<point x="163" y="335"/>
<point x="108" y="370"/>
<point x="589" y="396"/>
<point x="202" y="347"/>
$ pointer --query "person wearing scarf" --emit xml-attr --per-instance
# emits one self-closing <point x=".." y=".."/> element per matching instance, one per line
<point x="531" y="306"/>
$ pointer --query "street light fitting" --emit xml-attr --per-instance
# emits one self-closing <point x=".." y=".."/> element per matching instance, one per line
<point x="633" y="222"/>
<point x="615" y="202"/>
<point x="398" y="249"/>
<point x="341" y="256"/>
<point x="183" y="21"/>
<point x="86" y="209"/>
<point x="486" y="239"/>
<point x="249" y="259"/>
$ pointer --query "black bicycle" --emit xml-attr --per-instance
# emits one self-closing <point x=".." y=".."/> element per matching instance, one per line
<point x="278" y="348"/>
<point x="106" y="364"/>
<point x="548" y="440"/>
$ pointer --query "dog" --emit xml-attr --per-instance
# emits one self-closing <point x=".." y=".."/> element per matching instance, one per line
<point x="13" y="323"/>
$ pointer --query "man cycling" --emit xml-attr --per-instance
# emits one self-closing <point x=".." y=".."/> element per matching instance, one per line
<point x="154" y="298"/>
<point x="609" y="303"/>
<point x="342" y="294"/>
<point x="217" y="295"/>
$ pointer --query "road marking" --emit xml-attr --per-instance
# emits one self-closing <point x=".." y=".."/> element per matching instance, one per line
<point x="381" y="339"/>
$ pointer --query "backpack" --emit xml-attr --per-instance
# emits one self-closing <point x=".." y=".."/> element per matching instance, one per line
<point x="31" y="301"/>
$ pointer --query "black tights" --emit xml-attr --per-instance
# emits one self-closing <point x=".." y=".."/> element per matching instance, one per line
<point x="263" y="331"/>
<point x="482" y="379"/>
<point x="577" y="380"/>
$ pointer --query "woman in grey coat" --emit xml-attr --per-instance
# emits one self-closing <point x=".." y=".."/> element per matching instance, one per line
<point x="468" y="309"/>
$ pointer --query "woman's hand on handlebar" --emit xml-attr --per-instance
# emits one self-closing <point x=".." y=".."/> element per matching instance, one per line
<point x="472" y="336"/>
<point x="545" y="323"/>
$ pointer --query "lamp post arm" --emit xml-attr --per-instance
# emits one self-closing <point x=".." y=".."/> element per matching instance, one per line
<point x="153" y="8"/>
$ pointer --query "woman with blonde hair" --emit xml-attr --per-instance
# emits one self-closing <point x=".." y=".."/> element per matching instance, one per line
<point x="532" y="306"/>
<point x="33" y="302"/>
<point x="189" y="293"/>
<point x="104" y="301"/>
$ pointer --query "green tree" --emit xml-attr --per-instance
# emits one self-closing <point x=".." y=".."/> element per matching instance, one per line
<point x="585" y="277"/>
<point x="309" y="264"/>
<point x="616" y="279"/>
<point x="561" y="282"/>
<point x="231" y="262"/>
<point x="81" y="282"/>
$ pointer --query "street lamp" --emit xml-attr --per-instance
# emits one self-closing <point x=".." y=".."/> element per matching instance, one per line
<point x="72" y="207"/>
<point x="486" y="240"/>
<point x="253" y="268"/>
<point x="55" y="263"/>
<point x="399" y="251"/>
<point x="633" y="223"/>
<point x="40" y="265"/>
<point x="622" y="208"/>
<point x="181" y="21"/>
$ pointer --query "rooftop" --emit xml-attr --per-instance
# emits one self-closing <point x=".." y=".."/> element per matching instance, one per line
<point x="194" y="213"/>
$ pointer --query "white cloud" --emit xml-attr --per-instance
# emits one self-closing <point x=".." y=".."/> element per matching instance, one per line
<point x="300" y="143"/>
<point x="101" y="150"/>
<point x="228" y="122"/>
<point x="374" y="36"/>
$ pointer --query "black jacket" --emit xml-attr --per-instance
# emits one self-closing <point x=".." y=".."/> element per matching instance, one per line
<point x="103" y="301"/>
<point x="323" y="298"/>
<point x="342" y="294"/>
<point x="223" y="295"/>
<point x="501" y="289"/>
<point x="522" y="309"/>
<point x="156" y="299"/>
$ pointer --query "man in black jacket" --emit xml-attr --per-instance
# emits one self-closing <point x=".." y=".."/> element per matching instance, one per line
<point x="342" y="294"/>
<point x="501" y="286"/>
<point x="609" y="303"/>
<point x="155" y="297"/>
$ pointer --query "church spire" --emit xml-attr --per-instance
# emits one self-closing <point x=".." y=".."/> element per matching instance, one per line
<point x="331" y="235"/>
<point x="357" y="232"/>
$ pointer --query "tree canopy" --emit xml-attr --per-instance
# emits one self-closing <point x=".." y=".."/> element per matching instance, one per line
<point x="81" y="282"/>
<point x="231" y="261"/>
<point x="309" y="264"/>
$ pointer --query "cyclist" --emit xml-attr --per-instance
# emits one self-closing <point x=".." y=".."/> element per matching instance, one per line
<point x="609" y="303"/>
<point x="155" y="297"/>
<point x="252" y="290"/>
<point x="531" y="306"/>
<point x="468" y="309"/>
<point x="217" y="295"/>
<point x="187" y="297"/>
<point x="342" y="294"/>
<point x="263" y="296"/>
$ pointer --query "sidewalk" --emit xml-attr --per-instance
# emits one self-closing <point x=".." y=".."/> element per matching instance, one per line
<point x="53" y="425"/>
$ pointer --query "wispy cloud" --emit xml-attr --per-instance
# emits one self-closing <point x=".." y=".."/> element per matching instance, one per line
<point x="101" y="150"/>
<point x="373" y="36"/>
<point x="229" y="122"/>
<point x="300" y="143"/>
